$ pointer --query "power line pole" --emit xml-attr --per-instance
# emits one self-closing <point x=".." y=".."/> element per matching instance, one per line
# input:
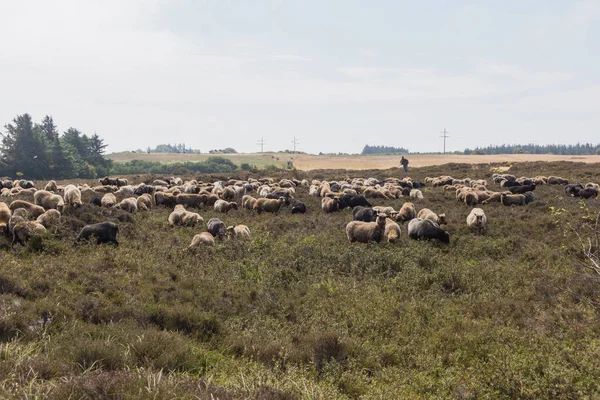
<point x="295" y="142"/>
<point x="261" y="143"/>
<point x="444" y="135"/>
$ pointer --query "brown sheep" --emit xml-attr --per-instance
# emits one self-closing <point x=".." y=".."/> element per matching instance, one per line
<point x="24" y="231"/>
<point x="48" y="200"/>
<point x="330" y="205"/>
<point x="471" y="198"/>
<point x="392" y="230"/>
<point x="365" y="232"/>
<point x="129" y="204"/>
<point x="49" y="218"/>
<point x="109" y="200"/>
<point x="407" y="212"/>
<point x="223" y="206"/>
<point x="426" y="213"/>
<point x="5" y="215"/>
<point x="238" y="232"/>
<point x="227" y="194"/>
<point x="165" y="199"/>
<point x="268" y="205"/>
<point x="144" y="202"/>
<point x="248" y="202"/>
<point x="191" y="200"/>
<point x="32" y="209"/>
<point x="513" y="199"/>
<point x="181" y="217"/>
<point x="51" y="186"/>
<point x="202" y="239"/>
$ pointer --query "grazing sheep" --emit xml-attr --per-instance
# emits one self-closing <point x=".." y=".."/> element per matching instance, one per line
<point x="48" y="200"/>
<point x="109" y="200"/>
<point x="426" y="213"/>
<point x="365" y="232"/>
<point x="351" y="201"/>
<point x="227" y="194"/>
<point x="32" y="209"/>
<point x="24" y="231"/>
<point x="51" y="187"/>
<point x="224" y="206"/>
<point x="417" y="194"/>
<point x="407" y="212"/>
<point x="522" y="189"/>
<point x="49" y="218"/>
<point x="72" y="196"/>
<point x="471" y="198"/>
<point x="555" y="180"/>
<point x="384" y="210"/>
<point x="364" y="214"/>
<point x="298" y="207"/>
<point x="165" y="199"/>
<point x="572" y="188"/>
<point x="5" y="215"/>
<point x="268" y="205"/>
<point x="392" y="230"/>
<point x="142" y="188"/>
<point x="329" y="205"/>
<point x="125" y="191"/>
<point x="495" y="197"/>
<point x="477" y="219"/>
<point x="587" y="193"/>
<point x="181" y="217"/>
<point x="18" y="215"/>
<point x="513" y="199"/>
<point x="129" y="204"/>
<point x="529" y="197"/>
<point x="420" y="228"/>
<point x="144" y="202"/>
<point x="248" y="202"/>
<point x="239" y="232"/>
<point x="202" y="239"/>
<point x="217" y="228"/>
<point x="191" y="199"/>
<point x="96" y="200"/>
<point x="104" y="232"/>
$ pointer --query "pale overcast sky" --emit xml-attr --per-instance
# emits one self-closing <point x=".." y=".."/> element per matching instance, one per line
<point x="336" y="74"/>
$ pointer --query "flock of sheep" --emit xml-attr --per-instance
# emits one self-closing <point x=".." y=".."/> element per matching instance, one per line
<point x="24" y="219"/>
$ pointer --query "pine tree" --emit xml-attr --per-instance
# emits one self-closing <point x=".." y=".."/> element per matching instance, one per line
<point x="22" y="149"/>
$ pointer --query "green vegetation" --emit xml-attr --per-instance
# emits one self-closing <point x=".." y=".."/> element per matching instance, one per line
<point x="560" y="149"/>
<point x="211" y="165"/>
<point x="299" y="313"/>
<point x="170" y="148"/>
<point x="383" y="150"/>
<point x="37" y="151"/>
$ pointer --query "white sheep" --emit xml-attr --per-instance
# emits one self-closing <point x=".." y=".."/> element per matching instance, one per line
<point x="477" y="219"/>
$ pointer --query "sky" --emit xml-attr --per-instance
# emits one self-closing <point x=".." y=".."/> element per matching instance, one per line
<point x="336" y="75"/>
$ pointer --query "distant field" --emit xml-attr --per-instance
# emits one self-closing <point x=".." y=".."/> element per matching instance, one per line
<point x="309" y="162"/>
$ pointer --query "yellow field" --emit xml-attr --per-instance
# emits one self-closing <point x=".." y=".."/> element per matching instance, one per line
<point x="309" y="161"/>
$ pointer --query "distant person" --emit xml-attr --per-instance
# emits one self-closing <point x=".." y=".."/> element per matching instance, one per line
<point x="404" y="163"/>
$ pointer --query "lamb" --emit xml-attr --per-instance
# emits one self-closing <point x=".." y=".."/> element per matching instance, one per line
<point x="420" y="228"/>
<point x="417" y="194"/>
<point x="129" y="204"/>
<point x="365" y="232"/>
<point x="109" y="200"/>
<point x="51" y="186"/>
<point x="392" y="230"/>
<point x="224" y="206"/>
<point x="49" y="218"/>
<point x="144" y="202"/>
<point x="477" y="219"/>
<point x="104" y="232"/>
<point x="48" y="200"/>
<point x="426" y="213"/>
<point x="268" y="205"/>
<point x="32" y="209"/>
<point x="181" y="217"/>
<point x="407" y="212"/>
<point x="202" y="239"/>
<point x="217" y="228"/>
<point x="5" y="215"/>
<point x="513" y="199"/>
<point x="238" y="232"/>
<point x="24" y="231"/>
<point x="72" y="196"/>
<point x="329" y="205"/>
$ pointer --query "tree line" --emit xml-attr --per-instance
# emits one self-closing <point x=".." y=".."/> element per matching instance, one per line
<point x="559" y="149"/>
<point x="38" y="151"/>
<point x="383" y="150"/>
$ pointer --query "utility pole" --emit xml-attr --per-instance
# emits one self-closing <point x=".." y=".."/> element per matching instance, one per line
<point x="261" y="143"/>
<point x="444" y="135"/>
<point x="295" y="142"/>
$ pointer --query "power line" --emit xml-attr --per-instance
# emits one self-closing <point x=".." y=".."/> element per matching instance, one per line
<point x="444" y="135"/>
<point x="295" y="142"/>
<point x="261" y="143"/>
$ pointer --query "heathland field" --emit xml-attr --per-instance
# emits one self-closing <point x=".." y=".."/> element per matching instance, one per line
<point x="299" y="312"/>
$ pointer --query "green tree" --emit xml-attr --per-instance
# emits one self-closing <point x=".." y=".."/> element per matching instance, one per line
<point x="22" y="149"/>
